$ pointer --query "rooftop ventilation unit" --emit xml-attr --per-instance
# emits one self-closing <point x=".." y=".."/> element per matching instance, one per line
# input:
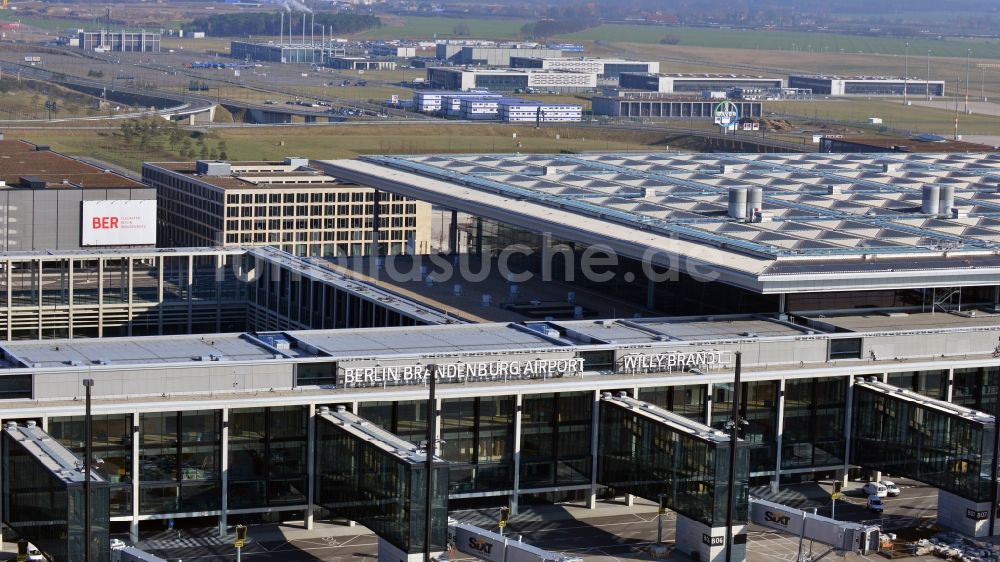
<point x="213" y="168"/>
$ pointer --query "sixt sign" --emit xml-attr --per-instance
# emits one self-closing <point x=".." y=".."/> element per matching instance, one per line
<point x="778" y="518"/>
<point x="479" y="543"/>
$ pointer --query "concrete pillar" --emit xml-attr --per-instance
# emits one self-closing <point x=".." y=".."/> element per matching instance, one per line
<point x="133" y="527"/>
<point x="964" y="516"/>
<point x="453" y="234"/>
<point x="311" y="467"/>
<point x="782" y="307"/>
<point x="224" y="480"/>
<point x="708" y="542"/>
<point x="518" y="401"/>
<point x="629" y="500"/>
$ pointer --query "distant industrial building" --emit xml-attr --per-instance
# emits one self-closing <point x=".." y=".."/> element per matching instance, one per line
<point x="49" y="201"/>
<point x="283" y="52"/>
<point x="510" y="80"/>
<point x="695" y="83"/>
<point x="119" y="41"/>
<point x="393" y="51"/>
<point x="490" y="56"/>
<point x="361" y="63"/>
<point x="286" y="204"/>
<point x="604" y="68"/>
<point x="667" y="107"/>
<point x="516" y="110"/>
<point x="919" y="143"/>
<point x="866" y="85"/>
<point x="430" y="101"/>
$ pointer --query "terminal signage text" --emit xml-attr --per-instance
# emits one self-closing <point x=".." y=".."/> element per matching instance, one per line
<point x="713" y="541"/>
<point x="396" y="375"/>
<point x="678" y="360"/>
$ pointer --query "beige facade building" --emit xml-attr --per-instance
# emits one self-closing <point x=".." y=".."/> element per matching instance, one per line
<point x="288" y="205"/>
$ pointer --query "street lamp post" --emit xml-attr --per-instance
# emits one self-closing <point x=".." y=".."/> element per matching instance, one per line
<point x="968" y="60"/>
<point x="429" y="452"/>
<point x="88" y="431"/>
<point x="733" y="425"/>
<point x="906" y="71"/>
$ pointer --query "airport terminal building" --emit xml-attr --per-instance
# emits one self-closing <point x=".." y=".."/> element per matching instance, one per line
<point x="823" y="272"/>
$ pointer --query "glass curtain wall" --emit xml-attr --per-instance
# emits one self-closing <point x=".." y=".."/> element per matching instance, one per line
<point x="932" y="384"/>
<point x="650" y="459"/>
<point x="976" y="388"/>
<point x="478" y="436"/>
<point x="267" y="457"/>
<point x="688" y="400"/>
<point x="112" y="446"/>
<point x="905" y="438"/>
<point x="814" y="422"/>
<point x="555" y="439"/>
<point x="759" y="407"/>
<point x="179" y="461"/>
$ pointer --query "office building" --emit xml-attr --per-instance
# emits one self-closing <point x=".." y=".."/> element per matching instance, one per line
<point x="517" y="110"/>
<point x="689" y="84"/>
<point x="119" y="41"/>
<point x="52" y="201"/>
<point x="510" y="80"/>
<point x="395" y="51"/>
<point x="867" y="85"/>
<point x="360" y="63"/>
<point x="606" y="69"/>
<point x="490" y="55"/>
<point x="283" y="204"/>
<point x="637" y="104"/>
<point x="430" y="101"/>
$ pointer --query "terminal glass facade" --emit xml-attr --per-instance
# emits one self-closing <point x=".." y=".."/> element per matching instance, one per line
<point x="759" y="408"/>
<point x="358" y="479"/>
<point x="921" y="442"/>
<point x="648" y="458"/>
<point x="478" y="436"/>
<point x="112" y="446"/>
<point x="687" y="400"/>
<point x="267" y="457"/>
<point x="49" y="511"/>
<point x="932" y="384"/>
<point x="814" y="422"/>
<point x="556" y="439"/>
<point x="976" y="388"/>
<point x="179" y="462"/>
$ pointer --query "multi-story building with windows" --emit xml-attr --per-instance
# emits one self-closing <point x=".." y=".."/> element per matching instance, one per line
<point x="283" y="204"/>
<point x="490" y="55"/>
<point x="606" y="69"/>
<point x="867" y="85"/>
<point x="696" y="83"/>
<point x="120" y="41"/>
<point x="517" y="110"/>
<point x="510" y="80"/>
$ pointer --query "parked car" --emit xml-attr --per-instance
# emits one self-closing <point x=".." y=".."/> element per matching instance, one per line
<point x="35" y="555"/>
<point x="875" y="504"/>
<point x="875" y="489"/>
<point x="891" y="488"/>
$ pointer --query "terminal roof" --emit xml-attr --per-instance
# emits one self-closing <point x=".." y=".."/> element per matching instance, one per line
<point x="829" y="221"/>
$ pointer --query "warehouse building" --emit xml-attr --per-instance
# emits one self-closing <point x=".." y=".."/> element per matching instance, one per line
<point x="360" y="63"/>
<point x="510" y="80"/>
<point x="696" y="83"/>
<point x="667" y="107"/>
<point x="286" y="204"/>
<point x="606" y="69"/>
<point x="119" y="41"/>
<point x="52" y="201"/>
<point x="283" y="52"/>
<point x="867" y="85"/>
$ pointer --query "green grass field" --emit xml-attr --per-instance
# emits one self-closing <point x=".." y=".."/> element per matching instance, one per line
<point x="783" y="41"/>
<point x="419" y="27"/>
<point x="345" y="141"/>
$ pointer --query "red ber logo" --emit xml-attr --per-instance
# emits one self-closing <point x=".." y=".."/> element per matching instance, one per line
<point x="105" y="223"/>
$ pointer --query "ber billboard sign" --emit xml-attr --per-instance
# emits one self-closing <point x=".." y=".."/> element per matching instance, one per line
<point x="118" y="223"/>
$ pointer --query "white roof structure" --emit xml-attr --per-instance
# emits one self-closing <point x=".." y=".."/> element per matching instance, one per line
<point x="831" y="222"/>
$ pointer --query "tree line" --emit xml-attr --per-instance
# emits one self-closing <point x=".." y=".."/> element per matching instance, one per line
<point x="269" y="23"/>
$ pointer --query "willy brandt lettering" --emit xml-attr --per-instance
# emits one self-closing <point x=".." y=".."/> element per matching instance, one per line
<point x="673" y="361"/>
<point x="397" y="375"/>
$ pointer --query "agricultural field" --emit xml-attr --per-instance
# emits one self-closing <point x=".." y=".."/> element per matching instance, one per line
<point x="418" y="27"/>
<point x="782" y="41"/>
<point x="107" y="142"/>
